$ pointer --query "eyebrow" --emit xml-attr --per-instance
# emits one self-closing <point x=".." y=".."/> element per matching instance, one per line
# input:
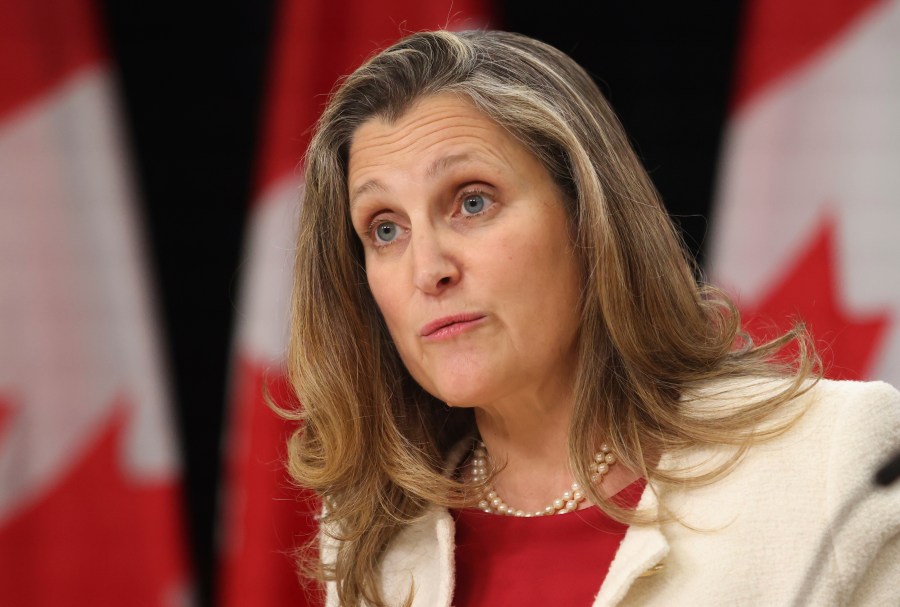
<point x="445" y="162"/>
<point x="437" y="167"/>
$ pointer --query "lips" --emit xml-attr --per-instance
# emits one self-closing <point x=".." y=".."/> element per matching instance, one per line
<point x="443" y="325"/>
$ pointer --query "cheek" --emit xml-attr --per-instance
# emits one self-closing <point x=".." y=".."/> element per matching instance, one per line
<point x="381" y="292"/>
<point x="543" y="279"/>
<point x="538" y="264"/>
<point x="388" y="296"/>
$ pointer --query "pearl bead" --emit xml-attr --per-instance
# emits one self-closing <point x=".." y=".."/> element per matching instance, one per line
<point x="492" y="503"/>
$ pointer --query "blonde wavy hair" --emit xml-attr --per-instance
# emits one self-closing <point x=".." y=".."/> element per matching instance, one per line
<point x="371" y="442"/>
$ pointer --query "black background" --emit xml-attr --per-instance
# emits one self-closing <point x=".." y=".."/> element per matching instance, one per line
<point x="191" y="77"/>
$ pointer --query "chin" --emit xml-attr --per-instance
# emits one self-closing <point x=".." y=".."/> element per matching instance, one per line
<point x="460" y="379"/>
<point x="463" y="391"/>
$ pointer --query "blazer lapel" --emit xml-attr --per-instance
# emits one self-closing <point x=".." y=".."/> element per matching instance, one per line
<point x="640" y="554"/>
<point x="420" y="558"/>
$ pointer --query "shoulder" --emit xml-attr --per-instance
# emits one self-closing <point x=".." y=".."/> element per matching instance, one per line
<point x="844" y="394"/>
<point x="859" y="426"/>
<point x="840" y="425"/>
<point x="840" y="434"/>
<point x="787" y="492"/>
<point x="862" y="405"/>
<point x="864" y="433"/>
<point x="837" y="435"/>
<point x="862" y="419"/>
<point x="873" y="398"/>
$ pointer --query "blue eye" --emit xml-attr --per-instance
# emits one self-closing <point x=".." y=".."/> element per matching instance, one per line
<point x="386" y="231"/>
<point x="473" y="204"/>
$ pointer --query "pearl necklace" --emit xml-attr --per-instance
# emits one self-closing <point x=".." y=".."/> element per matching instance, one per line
<point x="492" y="503"/>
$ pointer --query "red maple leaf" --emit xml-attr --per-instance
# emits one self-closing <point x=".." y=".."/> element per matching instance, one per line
<point x="809" y="291"/>
<point x="96" y="537"/>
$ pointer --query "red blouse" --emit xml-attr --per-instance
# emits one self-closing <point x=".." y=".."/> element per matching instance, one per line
<point x="546" y="560"/>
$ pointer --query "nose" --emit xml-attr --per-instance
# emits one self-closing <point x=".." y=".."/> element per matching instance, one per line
<point x="435" y="267"/>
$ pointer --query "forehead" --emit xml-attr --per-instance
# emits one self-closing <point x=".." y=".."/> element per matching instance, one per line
<point x="435" y="127"/>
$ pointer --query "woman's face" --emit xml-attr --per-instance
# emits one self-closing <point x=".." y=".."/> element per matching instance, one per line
<point x="468" y="253"/>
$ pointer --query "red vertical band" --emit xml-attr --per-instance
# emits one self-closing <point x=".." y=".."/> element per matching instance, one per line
<point x="316" y="42"/>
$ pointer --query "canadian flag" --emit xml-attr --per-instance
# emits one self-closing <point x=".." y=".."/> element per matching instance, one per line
<point x="90" y="509"/>
<point x="809" y="202"/>
<point x="265" y="518"/>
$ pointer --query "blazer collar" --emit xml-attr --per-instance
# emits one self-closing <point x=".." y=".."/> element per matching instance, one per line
<point x="640" y="554"/>
<point x="425" y="552"/>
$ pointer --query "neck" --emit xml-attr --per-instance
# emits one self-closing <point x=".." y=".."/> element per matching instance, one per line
<point x="526" y="440"/>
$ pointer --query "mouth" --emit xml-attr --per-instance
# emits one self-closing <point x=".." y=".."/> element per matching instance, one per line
<point x="449" y="326"/>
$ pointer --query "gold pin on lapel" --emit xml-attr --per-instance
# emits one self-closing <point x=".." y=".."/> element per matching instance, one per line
<point x="653" y="570"/>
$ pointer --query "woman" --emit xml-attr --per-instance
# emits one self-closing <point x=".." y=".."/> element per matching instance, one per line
<point x="491" y="304"/>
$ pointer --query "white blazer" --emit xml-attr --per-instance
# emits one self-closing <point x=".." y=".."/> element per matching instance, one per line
<point x="747" y="539"/>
